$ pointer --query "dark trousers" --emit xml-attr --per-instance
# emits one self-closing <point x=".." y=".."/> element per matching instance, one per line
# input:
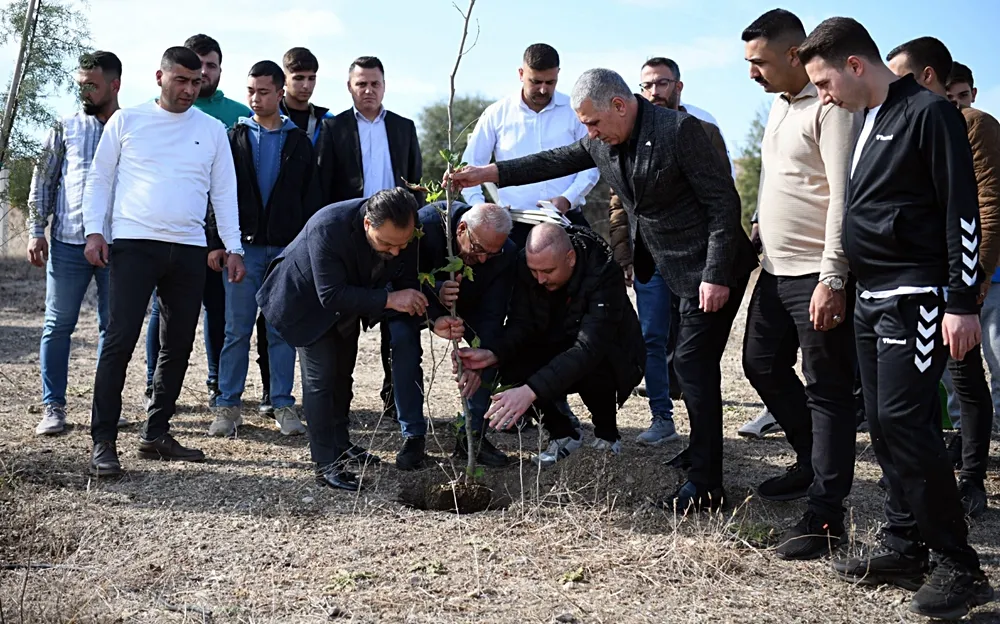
<point x="901" y="357"/>
<point x="262" y="360"/>
<point x="675" y="322"/>
<point x="818" y="418"/>
<point x="701" y="341"/>
<point x="327" y="370"/>
<point x="177" y="272"/>
<point x="213" y="326"/>
<point x="968" y="376"/>
<point x="596" y="388"/>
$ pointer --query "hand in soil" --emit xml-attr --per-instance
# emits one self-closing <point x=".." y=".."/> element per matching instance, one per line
<point x="509" y="406"/>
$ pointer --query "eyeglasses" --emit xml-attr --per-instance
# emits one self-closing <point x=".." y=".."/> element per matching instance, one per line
<point x="662" y="82"/>
<point x="478" y="249"/>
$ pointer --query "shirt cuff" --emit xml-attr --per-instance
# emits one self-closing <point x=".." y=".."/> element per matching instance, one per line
<point x="38" y="230"/>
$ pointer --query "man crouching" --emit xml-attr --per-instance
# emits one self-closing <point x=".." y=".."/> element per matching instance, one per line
<point x="570" y="329"/>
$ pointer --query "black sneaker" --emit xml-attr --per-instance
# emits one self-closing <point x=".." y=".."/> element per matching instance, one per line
<point x="265" y="406"/>
<point x="486" y="453"/>
<point x="336" y="476"/>
<point x="213" y="393"/>
<point x="811" y="538"/>
<point x="412" y="455"/>
<point x="694" y="498"/>
<point x="790" y="486"/>
<point x="360" y="455"/>
<point x="883" y="566"/>
<point x="167" y="448"/>
<point x="955" y="450"/>
<point x="950" y="591"/>
<point x="104" y="460"/>
<point x="973" y="494"/>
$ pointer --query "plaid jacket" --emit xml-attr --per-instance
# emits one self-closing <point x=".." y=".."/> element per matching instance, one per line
<point x="680" y="198"/>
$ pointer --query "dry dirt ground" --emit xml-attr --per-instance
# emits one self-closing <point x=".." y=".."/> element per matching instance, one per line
<point x="247" y="536"/>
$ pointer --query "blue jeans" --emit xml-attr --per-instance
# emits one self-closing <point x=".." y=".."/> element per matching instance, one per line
<point x="408" y="379"/>
<point x="653" y="301"/>
<point x="990" y="319"/>
<point x="213" y="323"/>
<point x="67" y="277"/>
<point x="241" y="316"/>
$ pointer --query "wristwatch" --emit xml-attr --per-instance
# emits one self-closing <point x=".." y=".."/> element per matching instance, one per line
<point x="834" y="282"/>
<point x="238" y="251"/>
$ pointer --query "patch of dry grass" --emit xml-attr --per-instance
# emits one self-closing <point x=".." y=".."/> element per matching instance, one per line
<point x="247" y="537"/>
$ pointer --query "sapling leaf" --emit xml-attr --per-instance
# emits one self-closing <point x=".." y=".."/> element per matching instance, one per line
<point x="475" y="343"/>
<point x="427" y="278"/>
<point x="454" y="265"/>
<point x="467" y="273"/>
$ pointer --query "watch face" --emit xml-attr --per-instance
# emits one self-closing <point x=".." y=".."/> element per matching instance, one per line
<point x="835" y="283"/>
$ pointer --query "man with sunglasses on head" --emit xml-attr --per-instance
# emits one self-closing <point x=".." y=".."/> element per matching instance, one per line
<point x="479" y="293"/>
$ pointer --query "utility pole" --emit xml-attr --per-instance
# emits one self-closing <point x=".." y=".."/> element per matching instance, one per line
<point x="30" y="19"/>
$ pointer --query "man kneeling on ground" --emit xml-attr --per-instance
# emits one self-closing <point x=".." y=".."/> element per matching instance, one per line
<point x="481" y="241"/>
<point x="570" y="329"/>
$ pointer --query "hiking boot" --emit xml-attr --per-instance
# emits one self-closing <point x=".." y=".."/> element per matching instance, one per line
<point x="557" y="450"/>
<point x="661" y="430"/>
<point x="288" y="421"/>
<point x="955" y="450"/>
<point x="973" y="494"/>
<point x="53" y="422"/>
<point x="335" y="476"/>
<point x="694" y="498"/>
<point x="883" y="565"/>
<point x="760" y="426"/>
<point x="811" y="538"/>
<point x="615" y="448"/>
<point x="227" y="419"/>
<point x="950" y="591"/>
<point x="167" y="448"/>
<point x="265" y="407"/>
<point x="360" y="455"/>
<point x="486" y="453"/>
<point x="104" y="460"/>
<point x="213" y="393"/>
<point x="412" y="455"/>
<point x="790" y="486"/>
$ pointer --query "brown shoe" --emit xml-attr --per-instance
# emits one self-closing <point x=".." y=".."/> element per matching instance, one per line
<point x="167" y="448"/>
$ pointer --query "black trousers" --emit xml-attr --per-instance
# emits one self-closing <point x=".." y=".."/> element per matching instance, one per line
<point x="701" y="341"/>
<point x="819" y="417"/>
<point x="214" y="323"/>
<point x="901" y="357"/>
<point x="675" y="322"/>
<point x="177" y="272"/>
<point x="596" y="388"/>
<point x="388" y="396"/>
<point x="969" y="379"/>
<point x="327" y="369"/>
<point x="263" y="361"/>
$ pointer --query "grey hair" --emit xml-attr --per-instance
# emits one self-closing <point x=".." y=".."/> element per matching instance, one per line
<point x="496" y="218"/>
<point x="600" y="86"/>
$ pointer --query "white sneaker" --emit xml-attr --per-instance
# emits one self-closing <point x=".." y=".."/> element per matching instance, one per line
<point x="288" y="421"/>
<point x="53" y="422"/>
<point x="227" y="419"/>
<point x="557" y="451"/>
<point x="760" y="426"/>
<point x="615" y="448"/>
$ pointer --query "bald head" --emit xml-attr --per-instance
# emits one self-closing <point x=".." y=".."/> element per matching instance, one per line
<point x="548" y="235"/>
<point x="550" y="255"/>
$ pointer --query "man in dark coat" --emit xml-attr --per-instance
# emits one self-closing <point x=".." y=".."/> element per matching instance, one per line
<point x="570" y="328"/>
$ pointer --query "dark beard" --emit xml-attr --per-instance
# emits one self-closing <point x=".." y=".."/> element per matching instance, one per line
<point x="208" y="90"/>
<point x="89" y="108"/>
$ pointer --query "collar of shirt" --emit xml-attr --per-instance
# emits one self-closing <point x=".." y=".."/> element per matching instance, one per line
<point x="558" y="99"/>
<point x="362" y="119"/>
<point x="808" y="91"/>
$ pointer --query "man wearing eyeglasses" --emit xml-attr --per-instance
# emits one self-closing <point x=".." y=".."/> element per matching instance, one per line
<point x="479" y="293"/>
<point x="658" y="309"/>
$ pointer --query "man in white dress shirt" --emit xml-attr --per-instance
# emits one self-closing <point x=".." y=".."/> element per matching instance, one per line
<point x="535" y="119"/>
<point x="154" y="169"/>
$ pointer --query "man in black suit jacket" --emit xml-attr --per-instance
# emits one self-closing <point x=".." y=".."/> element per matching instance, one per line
<point x="344" y="269"/>
<point x="682" y="207"/>
<point x="366" y="149"/>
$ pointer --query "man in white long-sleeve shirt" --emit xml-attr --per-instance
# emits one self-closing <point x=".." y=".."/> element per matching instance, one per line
<point x="535" y="119"/>
<point x="154" y="169"/>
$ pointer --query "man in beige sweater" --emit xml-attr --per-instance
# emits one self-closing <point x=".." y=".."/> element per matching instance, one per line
<point x="802" y="300"/>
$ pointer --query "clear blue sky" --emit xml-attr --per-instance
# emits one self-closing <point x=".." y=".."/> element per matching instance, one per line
<point x="418" y="45"/>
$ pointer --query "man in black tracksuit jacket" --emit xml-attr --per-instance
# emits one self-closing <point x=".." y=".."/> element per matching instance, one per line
<point x="570" y="329"/>
<point x="911" y="236"/>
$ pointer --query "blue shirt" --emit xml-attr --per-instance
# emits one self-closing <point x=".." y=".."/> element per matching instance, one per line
<point x="266" y="146"/>
<point x="376" y="165"/>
